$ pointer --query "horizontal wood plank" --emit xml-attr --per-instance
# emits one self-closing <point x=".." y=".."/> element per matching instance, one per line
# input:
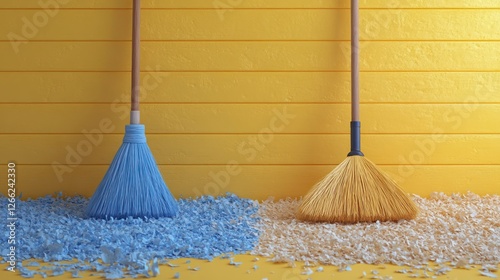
<point x="252" y="56"/>
<point x="468" y="117"/>
<point x="92" y="148"/>
<point x="254" y="25"/>
<point x="321" y="87"/>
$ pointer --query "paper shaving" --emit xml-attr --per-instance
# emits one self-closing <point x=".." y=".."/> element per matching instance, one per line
<point x="344" y="267"/>
<point x="307" y="271"/>
<point x="232" y="262"/>
<point x="489" y="267"/>
<point x="443" y="270"/>
<point x="155" y="267"/>
<point x="462" y="263"/>
<point x="488" y="274"/>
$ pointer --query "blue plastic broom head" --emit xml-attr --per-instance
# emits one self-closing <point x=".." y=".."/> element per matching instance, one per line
<point x="133" y="185"/>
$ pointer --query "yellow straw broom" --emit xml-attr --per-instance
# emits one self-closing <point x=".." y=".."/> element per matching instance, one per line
<point x="356" y="190"/>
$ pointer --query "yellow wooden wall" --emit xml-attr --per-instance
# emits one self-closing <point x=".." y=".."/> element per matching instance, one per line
<point x="251" y="96"/>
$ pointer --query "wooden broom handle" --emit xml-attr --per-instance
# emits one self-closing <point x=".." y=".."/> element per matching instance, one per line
<point x="136" y="54"/>
<point x="355" y="123"/>
<point x="354" y="60"/>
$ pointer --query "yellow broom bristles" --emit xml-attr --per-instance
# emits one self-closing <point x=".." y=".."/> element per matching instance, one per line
<point x="356" y="191"/>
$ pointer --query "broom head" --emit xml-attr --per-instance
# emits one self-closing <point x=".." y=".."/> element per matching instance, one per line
<point x="133" y="185"/>
<point x="356" y="191"/>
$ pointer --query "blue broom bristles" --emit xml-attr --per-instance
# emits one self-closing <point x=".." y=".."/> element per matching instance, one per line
<point x="133" y="185"/>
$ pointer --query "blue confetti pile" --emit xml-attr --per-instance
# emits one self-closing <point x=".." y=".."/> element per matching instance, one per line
<point x="56" y="229"/>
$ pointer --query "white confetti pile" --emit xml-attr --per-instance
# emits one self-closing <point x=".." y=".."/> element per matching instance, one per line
<point x="448" y="229"/>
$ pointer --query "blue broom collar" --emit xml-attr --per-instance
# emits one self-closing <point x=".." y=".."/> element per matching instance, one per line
<point x="134" y="133"/>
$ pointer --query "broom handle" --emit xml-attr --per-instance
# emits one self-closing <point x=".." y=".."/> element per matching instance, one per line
<point x="355" y="123"/>
<point x="136" y="53"/>
<point x="354" y="61"/>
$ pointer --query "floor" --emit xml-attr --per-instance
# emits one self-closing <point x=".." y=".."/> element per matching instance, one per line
<point x="250" y="267"/>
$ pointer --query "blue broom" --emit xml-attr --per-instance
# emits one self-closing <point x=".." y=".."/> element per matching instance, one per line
<point x="133" y="185"/>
